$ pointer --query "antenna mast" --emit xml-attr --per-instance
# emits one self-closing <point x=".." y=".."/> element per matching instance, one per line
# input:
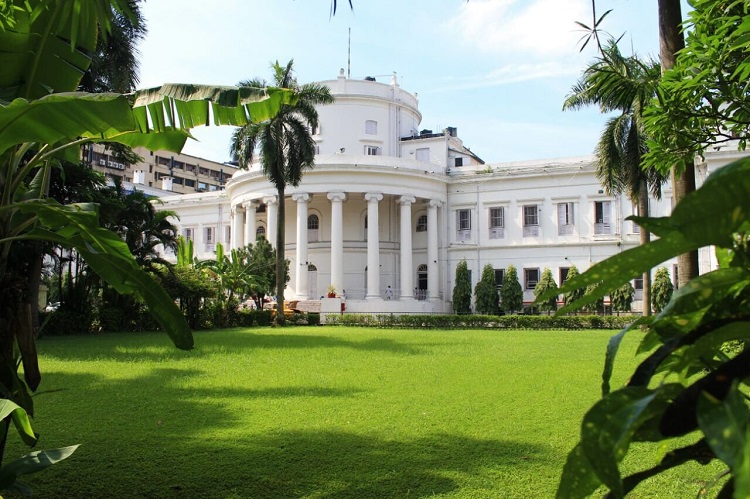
<point x="349" y="57"/>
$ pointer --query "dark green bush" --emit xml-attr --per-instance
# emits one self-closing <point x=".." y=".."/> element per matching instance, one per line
<point x="569" y="322"/>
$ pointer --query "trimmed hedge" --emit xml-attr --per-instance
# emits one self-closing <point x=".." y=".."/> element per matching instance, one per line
<point x="570" y="322"/>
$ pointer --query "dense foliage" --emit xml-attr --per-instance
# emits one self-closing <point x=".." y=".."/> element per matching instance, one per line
<point x="462" y="289"/>
<point x="662" y="289"/>
<point x="703" y="99"/>
<point x="546" y="283"/>
<point x="622" y="298"/>
<point x="511" y="294"/>
<point x="575" y="294"/>
<point x="689" y="383"/>
<point x="485" y="292"/>
<point x="465" y="321"/>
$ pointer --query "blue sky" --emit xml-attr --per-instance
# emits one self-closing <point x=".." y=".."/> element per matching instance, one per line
<point x="498" y="70"/>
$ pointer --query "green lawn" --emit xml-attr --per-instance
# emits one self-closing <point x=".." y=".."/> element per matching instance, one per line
<point x="322" y="412"/>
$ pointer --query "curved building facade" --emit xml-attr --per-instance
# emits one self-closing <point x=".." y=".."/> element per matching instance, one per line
<point x="390" y="209"/>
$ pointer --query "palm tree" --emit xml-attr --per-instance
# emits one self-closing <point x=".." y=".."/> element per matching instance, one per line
<point x="286" y="149"/>
<point x="624" y="85"/>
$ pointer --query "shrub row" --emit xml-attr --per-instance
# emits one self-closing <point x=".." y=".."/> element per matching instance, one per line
<point x="482" y="321"/>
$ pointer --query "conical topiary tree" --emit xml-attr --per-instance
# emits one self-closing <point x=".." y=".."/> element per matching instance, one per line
<point x="596" y="306"/>
<point x="622" y="298"/>
<point x="576" y="294"/>
<point x="511" y="294"/>
<point x="487" y="297"/>
<point x="462" y="289"/>
<point x="546" y="283"/>
<point x="661" y="290"/>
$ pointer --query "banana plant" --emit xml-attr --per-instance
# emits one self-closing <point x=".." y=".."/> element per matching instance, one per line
<point x="44" y="46"/>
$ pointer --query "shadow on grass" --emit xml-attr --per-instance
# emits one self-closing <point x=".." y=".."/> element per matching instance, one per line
<point x="338" y="464"/>
<point x="148" y="347"/>
<point x="152" y="437"/>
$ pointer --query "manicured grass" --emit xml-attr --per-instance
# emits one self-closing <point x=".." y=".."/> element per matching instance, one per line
<point x="322" y="412"/>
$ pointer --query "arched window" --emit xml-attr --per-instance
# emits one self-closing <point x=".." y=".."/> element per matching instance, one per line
<point x="313" y="224"/>
<point x="260" y="232"/>
<point x="422" y="223"/>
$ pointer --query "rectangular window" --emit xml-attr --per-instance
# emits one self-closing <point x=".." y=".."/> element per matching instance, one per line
<point x="602" y="217"/>
<point x="208" y="239"/>
<point x="499" y="276"/>
<point x="371" y="127"/>
<point x="463" y="225"/>
<point x="372" y="151"/>
<point x="423" y="154"/>
<point x="188" y="234"/>
<point x="497" y="222"/>
<point x="530" y="220"/>
<point x="459" y="162"/>
<point x="638" y="286"/>
<point x="530" y="278"/>
<point x="189" y="182"/>
<point x="564" y="274"/>
<point x="227" y="234"/>
<point x="565" y="220"/>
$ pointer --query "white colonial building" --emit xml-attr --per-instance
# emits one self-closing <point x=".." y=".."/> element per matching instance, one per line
<point x="389" y="210"/>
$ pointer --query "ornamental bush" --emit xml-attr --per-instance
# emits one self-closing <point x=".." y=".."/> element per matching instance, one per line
<point x="487" y="297"/>
<point x="511" y="294"/>
<point x="546" y="283"/>
<point x="661" y="289"/>
<point x="462" y="289"/>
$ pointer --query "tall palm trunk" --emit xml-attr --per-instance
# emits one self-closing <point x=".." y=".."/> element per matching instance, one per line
<point x="280" y="256"/>
<point x="671" y="40"/>
<point x="643" y="210"/>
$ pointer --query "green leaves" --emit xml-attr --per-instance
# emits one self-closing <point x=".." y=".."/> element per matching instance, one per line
<point x="688" y="341"/>
<point x="726" y="424"/>
<point x="607" y="430"/>
<point x="76" y="226"/>
<point x="20" y="419"/>
<point x="45" y="50"/>
<point x="63" y="117"/>
<point x="708" y="216"/>
<point x="32" y="463"/>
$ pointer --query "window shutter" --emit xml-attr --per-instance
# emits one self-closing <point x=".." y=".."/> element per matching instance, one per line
<point x="606" y="212"/>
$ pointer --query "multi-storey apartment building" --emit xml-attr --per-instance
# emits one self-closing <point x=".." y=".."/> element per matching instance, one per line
<point x="179" y="173"/>
<point x="390" y="210"/>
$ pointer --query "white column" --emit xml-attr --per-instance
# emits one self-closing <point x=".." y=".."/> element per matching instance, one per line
<point x="250" y="222"/>
<point x="407" y="278"/>
<point x="301" y="285"/>
<point x="272" y="212"/>
<point x="337" y="240"/>
<point x="237" y="234"/>
<point x="433" y="270"/>
<point x="373" y="246"/>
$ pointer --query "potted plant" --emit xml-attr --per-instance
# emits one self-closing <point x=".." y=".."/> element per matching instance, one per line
<point x="331" y="291"/>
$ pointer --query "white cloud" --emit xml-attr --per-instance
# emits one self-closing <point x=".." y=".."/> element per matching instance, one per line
<point x="511" y="73"/>
<point x="518" y="28"/>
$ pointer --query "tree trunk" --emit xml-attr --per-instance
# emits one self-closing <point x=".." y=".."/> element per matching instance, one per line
<point x="671" y="40"/>
<point x="280" y="258"/>
<point x="645" y="235"/>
